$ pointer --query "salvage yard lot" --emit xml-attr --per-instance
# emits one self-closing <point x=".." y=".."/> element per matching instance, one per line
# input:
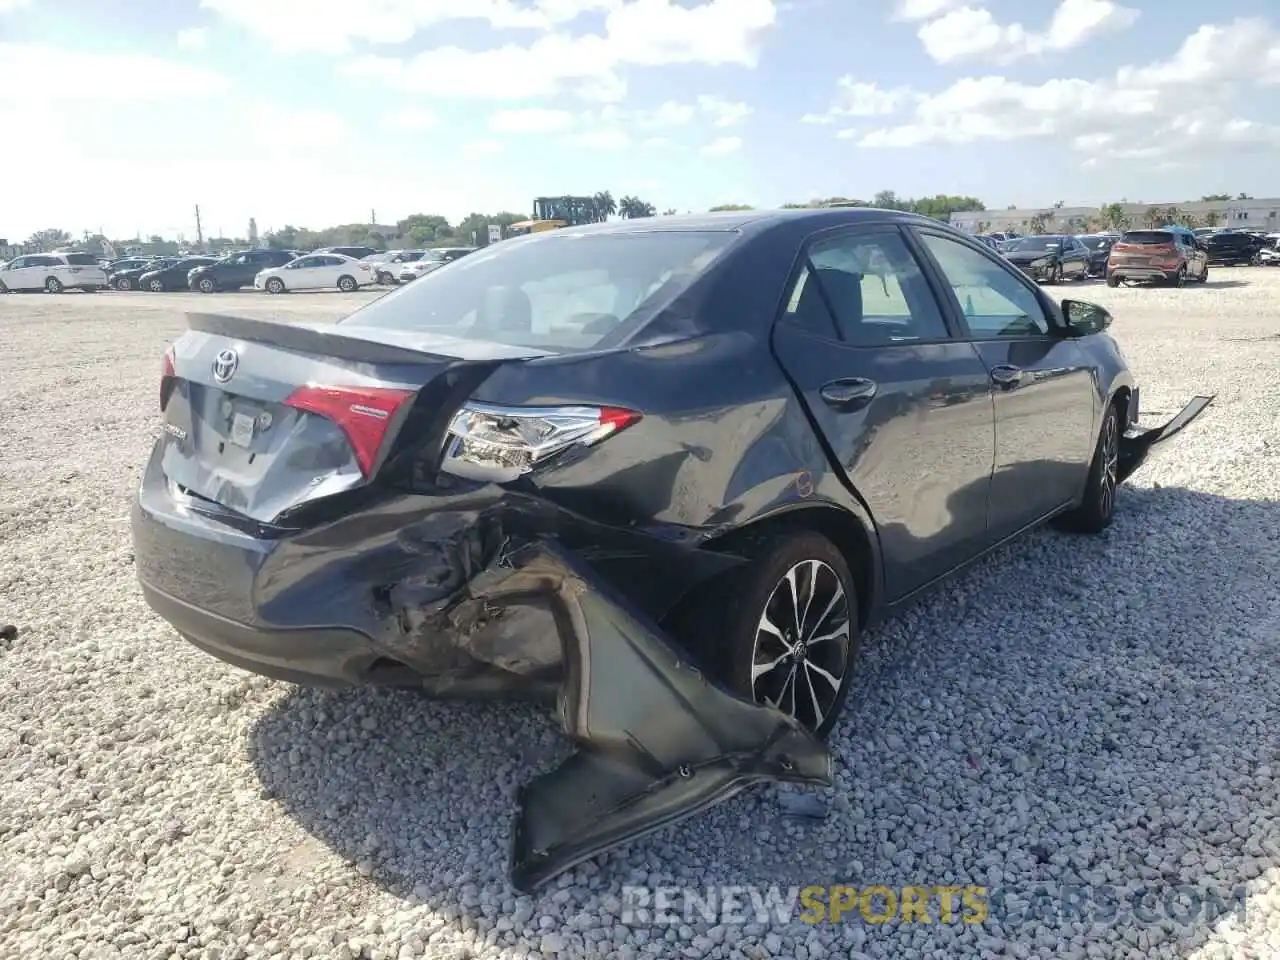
<point x="1072" y="710"/>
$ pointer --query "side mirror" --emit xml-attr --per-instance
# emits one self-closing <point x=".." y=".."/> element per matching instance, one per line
<point x="1084" y="318"/>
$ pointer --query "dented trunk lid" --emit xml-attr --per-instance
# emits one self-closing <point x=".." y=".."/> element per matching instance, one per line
<point x="261" y="416"/>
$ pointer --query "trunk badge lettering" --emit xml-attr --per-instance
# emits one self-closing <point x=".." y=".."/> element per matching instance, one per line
<point x="224" y="365"/>
<point x="175" y="431"/>
<point x="368" y="411"/>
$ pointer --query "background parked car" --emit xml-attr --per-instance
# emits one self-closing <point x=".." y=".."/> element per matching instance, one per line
<point x="1099" y="246"/>
<point x="1171" y="255"/>
<point x="1232" y="248"/>
<point x="53" y="273"/>
<point x="431" y="260"/>
<point x="356" y="253"/>
<point x="129" y="279"/>
<point x="316" y="271"/>
<point x="237" y="270"/>
<point x="172" y="276"/>
<point x="386" y="266"/>
<point x="1050" y="258"/>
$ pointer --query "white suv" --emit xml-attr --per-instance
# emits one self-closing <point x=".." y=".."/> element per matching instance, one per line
<point x="53" y="273"/>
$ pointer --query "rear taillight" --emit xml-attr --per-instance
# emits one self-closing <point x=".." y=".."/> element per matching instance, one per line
<point x="167" y="373"/>
<point x="499" y="444"/>
<point x="364" y="414"/>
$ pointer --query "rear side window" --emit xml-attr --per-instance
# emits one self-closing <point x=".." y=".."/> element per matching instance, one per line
<point x="872" y="287"/>
<point x="551" y="291"/>
<point x="1147" y="236"/>
<point x="81" y="260"/>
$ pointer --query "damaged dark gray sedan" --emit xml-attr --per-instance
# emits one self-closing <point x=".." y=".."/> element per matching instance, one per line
<point x="662" y="473"/>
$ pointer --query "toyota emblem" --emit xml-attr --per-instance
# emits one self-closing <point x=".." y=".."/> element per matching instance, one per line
<point x="224" y="365"/>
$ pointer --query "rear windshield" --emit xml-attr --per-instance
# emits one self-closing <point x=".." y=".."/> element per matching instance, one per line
<point x="81" y="260"/>
<point x="548" y="291"/>
<point x="1148" y="236"/>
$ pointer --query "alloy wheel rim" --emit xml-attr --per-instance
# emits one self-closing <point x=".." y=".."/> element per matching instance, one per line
<point x="801" y="650"/>
<point x="1110" y="464"/>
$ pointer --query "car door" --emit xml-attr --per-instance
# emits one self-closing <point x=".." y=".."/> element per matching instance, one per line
<point x="237" y="271"/>
<point x="17" y="275"/>
<point x="1045" y="393"/>
<point x="904" y="406"/>
<point x="314" y="272"/>
<point x="1079" y="258"/>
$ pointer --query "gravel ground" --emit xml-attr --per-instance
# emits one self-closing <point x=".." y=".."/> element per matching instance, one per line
<point x="1071" y="711"/>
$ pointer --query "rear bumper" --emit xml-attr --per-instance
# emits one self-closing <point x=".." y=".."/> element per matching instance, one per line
<point x="479" y="592"/>
<point x="1138" y="272"/>
<point x="1137" y="444"/>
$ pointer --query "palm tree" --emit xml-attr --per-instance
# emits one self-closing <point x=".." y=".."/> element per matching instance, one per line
<point x="606" y="206"/>
<point x="632" y="208"/>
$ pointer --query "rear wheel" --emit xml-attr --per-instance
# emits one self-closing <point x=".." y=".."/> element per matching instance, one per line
<point x="1055" y="275"/>
<point x="124" y="284"/>
<point x="53" y="285"/>
<point x="207" y="285"/>
<point x="275" y="285"/>
<point x="1180" y="278"/>
<point x="347" y="284"/>
<point x="782" y="630"/>
<point x="156" y="286"/>
<point x="1113" y="281"/>
<point x="1098" y="507"/>
<point x="3" y="288"/>
<point x="1204" y="275"/>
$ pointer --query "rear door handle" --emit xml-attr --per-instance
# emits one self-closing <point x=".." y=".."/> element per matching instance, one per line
<point x="851" y="393"/>
<point x="1006" y="375"/>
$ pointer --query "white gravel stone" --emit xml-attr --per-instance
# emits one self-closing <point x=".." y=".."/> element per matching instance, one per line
<point x="1072" y="710"/>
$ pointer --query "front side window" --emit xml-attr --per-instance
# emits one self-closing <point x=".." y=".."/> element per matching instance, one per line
<point x="551" y="292"/>
<point x="994" y="300"/>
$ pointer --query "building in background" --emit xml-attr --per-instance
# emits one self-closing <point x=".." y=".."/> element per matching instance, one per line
<point x="1053" y="219"/>
<point x="253" y="232"/>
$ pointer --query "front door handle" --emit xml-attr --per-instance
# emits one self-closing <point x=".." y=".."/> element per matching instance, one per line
<point x="851" y="393"/>
<point x="1006" y="375"/>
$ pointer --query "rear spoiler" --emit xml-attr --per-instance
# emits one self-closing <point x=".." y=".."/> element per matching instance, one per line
<point x="307" y="339"/>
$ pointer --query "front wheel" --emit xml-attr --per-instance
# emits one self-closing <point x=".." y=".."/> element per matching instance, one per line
<point x="53" y="285"/>
<point x="1098" y="506"/>
<point x="347" y="284"/>
<point x="124" y="284"/>
<point x="207" y="285"/>
<point x="782" y="630"/>
<point x="156" y="286"/>
<point x="275" y="285"/>
<point x="1204" y="275"/>
<point x="1113" y="281"/>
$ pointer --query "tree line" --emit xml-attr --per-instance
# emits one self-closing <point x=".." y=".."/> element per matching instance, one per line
<point x="436" y="230"/>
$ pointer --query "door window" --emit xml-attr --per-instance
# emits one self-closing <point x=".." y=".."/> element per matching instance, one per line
<point x="18" y="263"/>
<point x="869" y="286"/>
<point x="995" y="302"/>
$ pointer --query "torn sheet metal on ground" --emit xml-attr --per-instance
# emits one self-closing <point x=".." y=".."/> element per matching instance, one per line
<point x="658" y="741"/>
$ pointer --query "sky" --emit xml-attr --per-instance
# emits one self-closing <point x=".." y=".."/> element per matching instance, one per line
<point x="122" y="115"/>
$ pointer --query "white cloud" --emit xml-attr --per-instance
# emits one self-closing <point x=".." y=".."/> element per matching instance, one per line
<point x="336" y="26"/>
<point x="411" y="119"/>
<point x="484" y="147"/>
<point x="849" y="133"/>
<point x="192" y="38"/>
<point x="722" y="146"/>
<point x="969" y="33"/>
<point x="1183" y="107"/>
<point x="531" y="120"/>
<point x="858" y="98"/>
<point x="924" y="9"/>
<point x="636" y="33"/>
<point x="723" y="113"/>
<point x="69" y="73"/>
<point x="9" y="6"/>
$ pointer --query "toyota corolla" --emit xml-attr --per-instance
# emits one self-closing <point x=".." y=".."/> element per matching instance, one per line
<point x="663" y="473"/>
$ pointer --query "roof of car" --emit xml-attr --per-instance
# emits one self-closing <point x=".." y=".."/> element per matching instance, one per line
<point x="743" y="220"/>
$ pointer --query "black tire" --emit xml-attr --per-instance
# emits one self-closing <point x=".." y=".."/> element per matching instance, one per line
<point x="347" y="284"/>
<point x="1098" y="507"/>
<point x="722" y="624"/>
<point x="207" y="285"/>
<point x="156" y="286"/>
<point x="1204" y="277"/>
<point x="124" y="284"/>
<point x="275" y="285"/>
<point x="1113" y="281"/>
<point x="1055" y="275"/>
<point x="53" y="285"/>
<point x="1180" y="278"/>
<point x="3" y="288"/>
